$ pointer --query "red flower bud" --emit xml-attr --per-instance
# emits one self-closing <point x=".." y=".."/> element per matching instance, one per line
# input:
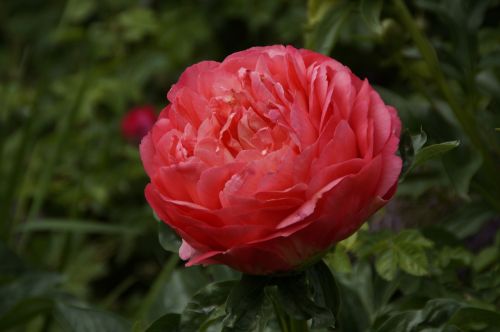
<point x="137" y="122"/>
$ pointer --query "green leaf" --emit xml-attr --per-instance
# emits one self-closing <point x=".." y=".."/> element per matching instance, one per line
<point x="339" y="260"/>
<point x="468" y="219"/>
<point x="324" y="34"/>
<point x="435" y="313"/>
<point x="312" y="294"/>
<point x="168" y="239"/>
<point x="166" y="323"/>
<point x="356" y="293"/>
<point x="24" y="310"/>
<point x="244" y="304"/>
<point x="405" y="250"/>
<point x="448" y="255"/>
<point x="418" y="140"/>
<point x="469" y="318"/>
<point x="386" y="264"/>
<point x="206" y="307"/>
<point x="325" y="293"/>
<point x="414" y="237"/>
<point x="409" y="246"/>
<point x="412" y="259"/>
<point x="433" y="151"/>
<point x="77" y="319"/>
<point x="486" y="257"/>
<point x="370" y="11"/>
<point x="33" y="285"/>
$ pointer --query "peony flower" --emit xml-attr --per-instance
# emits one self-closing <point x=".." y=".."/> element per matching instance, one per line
<point x="262" y="162"/>
<point x="137" y="122"/>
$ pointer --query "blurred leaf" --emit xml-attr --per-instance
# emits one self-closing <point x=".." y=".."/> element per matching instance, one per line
<point x="469" y="318"/>
<point x="461" y="166"/>
<point x="339" y="260"/>
<point x="356" y="293"/>
<point x="486" y="257"/>
<point x="24" y="310"/>
<point x="412" y="259"/>
<point x="458" y="254"/>
<point x="77" y="226"/>
<point x="77" y="11"/>
<point x="168" y="239"/>
<point x="32" y="285"/>
<point x="405" y="250"/>
<point x="435" y="313"/>
<point x="77" y="319"/>
<point x="137" y="23"/>
<point x="370" y="11"/>
<point x="467" y="219"/>
<point x="386" y="265"/>
<point x="10" y="263"/>
<point x="325" y="30"/>
<point x="145" y="310"/>
<point x="166" y="323"/>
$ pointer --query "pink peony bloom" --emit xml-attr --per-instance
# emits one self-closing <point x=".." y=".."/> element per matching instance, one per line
<point x="137" y="122"/>
<point x="265" y="160"/>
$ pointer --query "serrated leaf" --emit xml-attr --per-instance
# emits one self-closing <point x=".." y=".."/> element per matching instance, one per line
<point x="168" y="239"/>
<point x="412" y="259"/>
<point x="386" y="264"/>
<point x="78" y="319"/>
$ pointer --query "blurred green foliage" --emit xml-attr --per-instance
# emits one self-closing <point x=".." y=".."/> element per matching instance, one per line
<point x="78" y="240"/>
